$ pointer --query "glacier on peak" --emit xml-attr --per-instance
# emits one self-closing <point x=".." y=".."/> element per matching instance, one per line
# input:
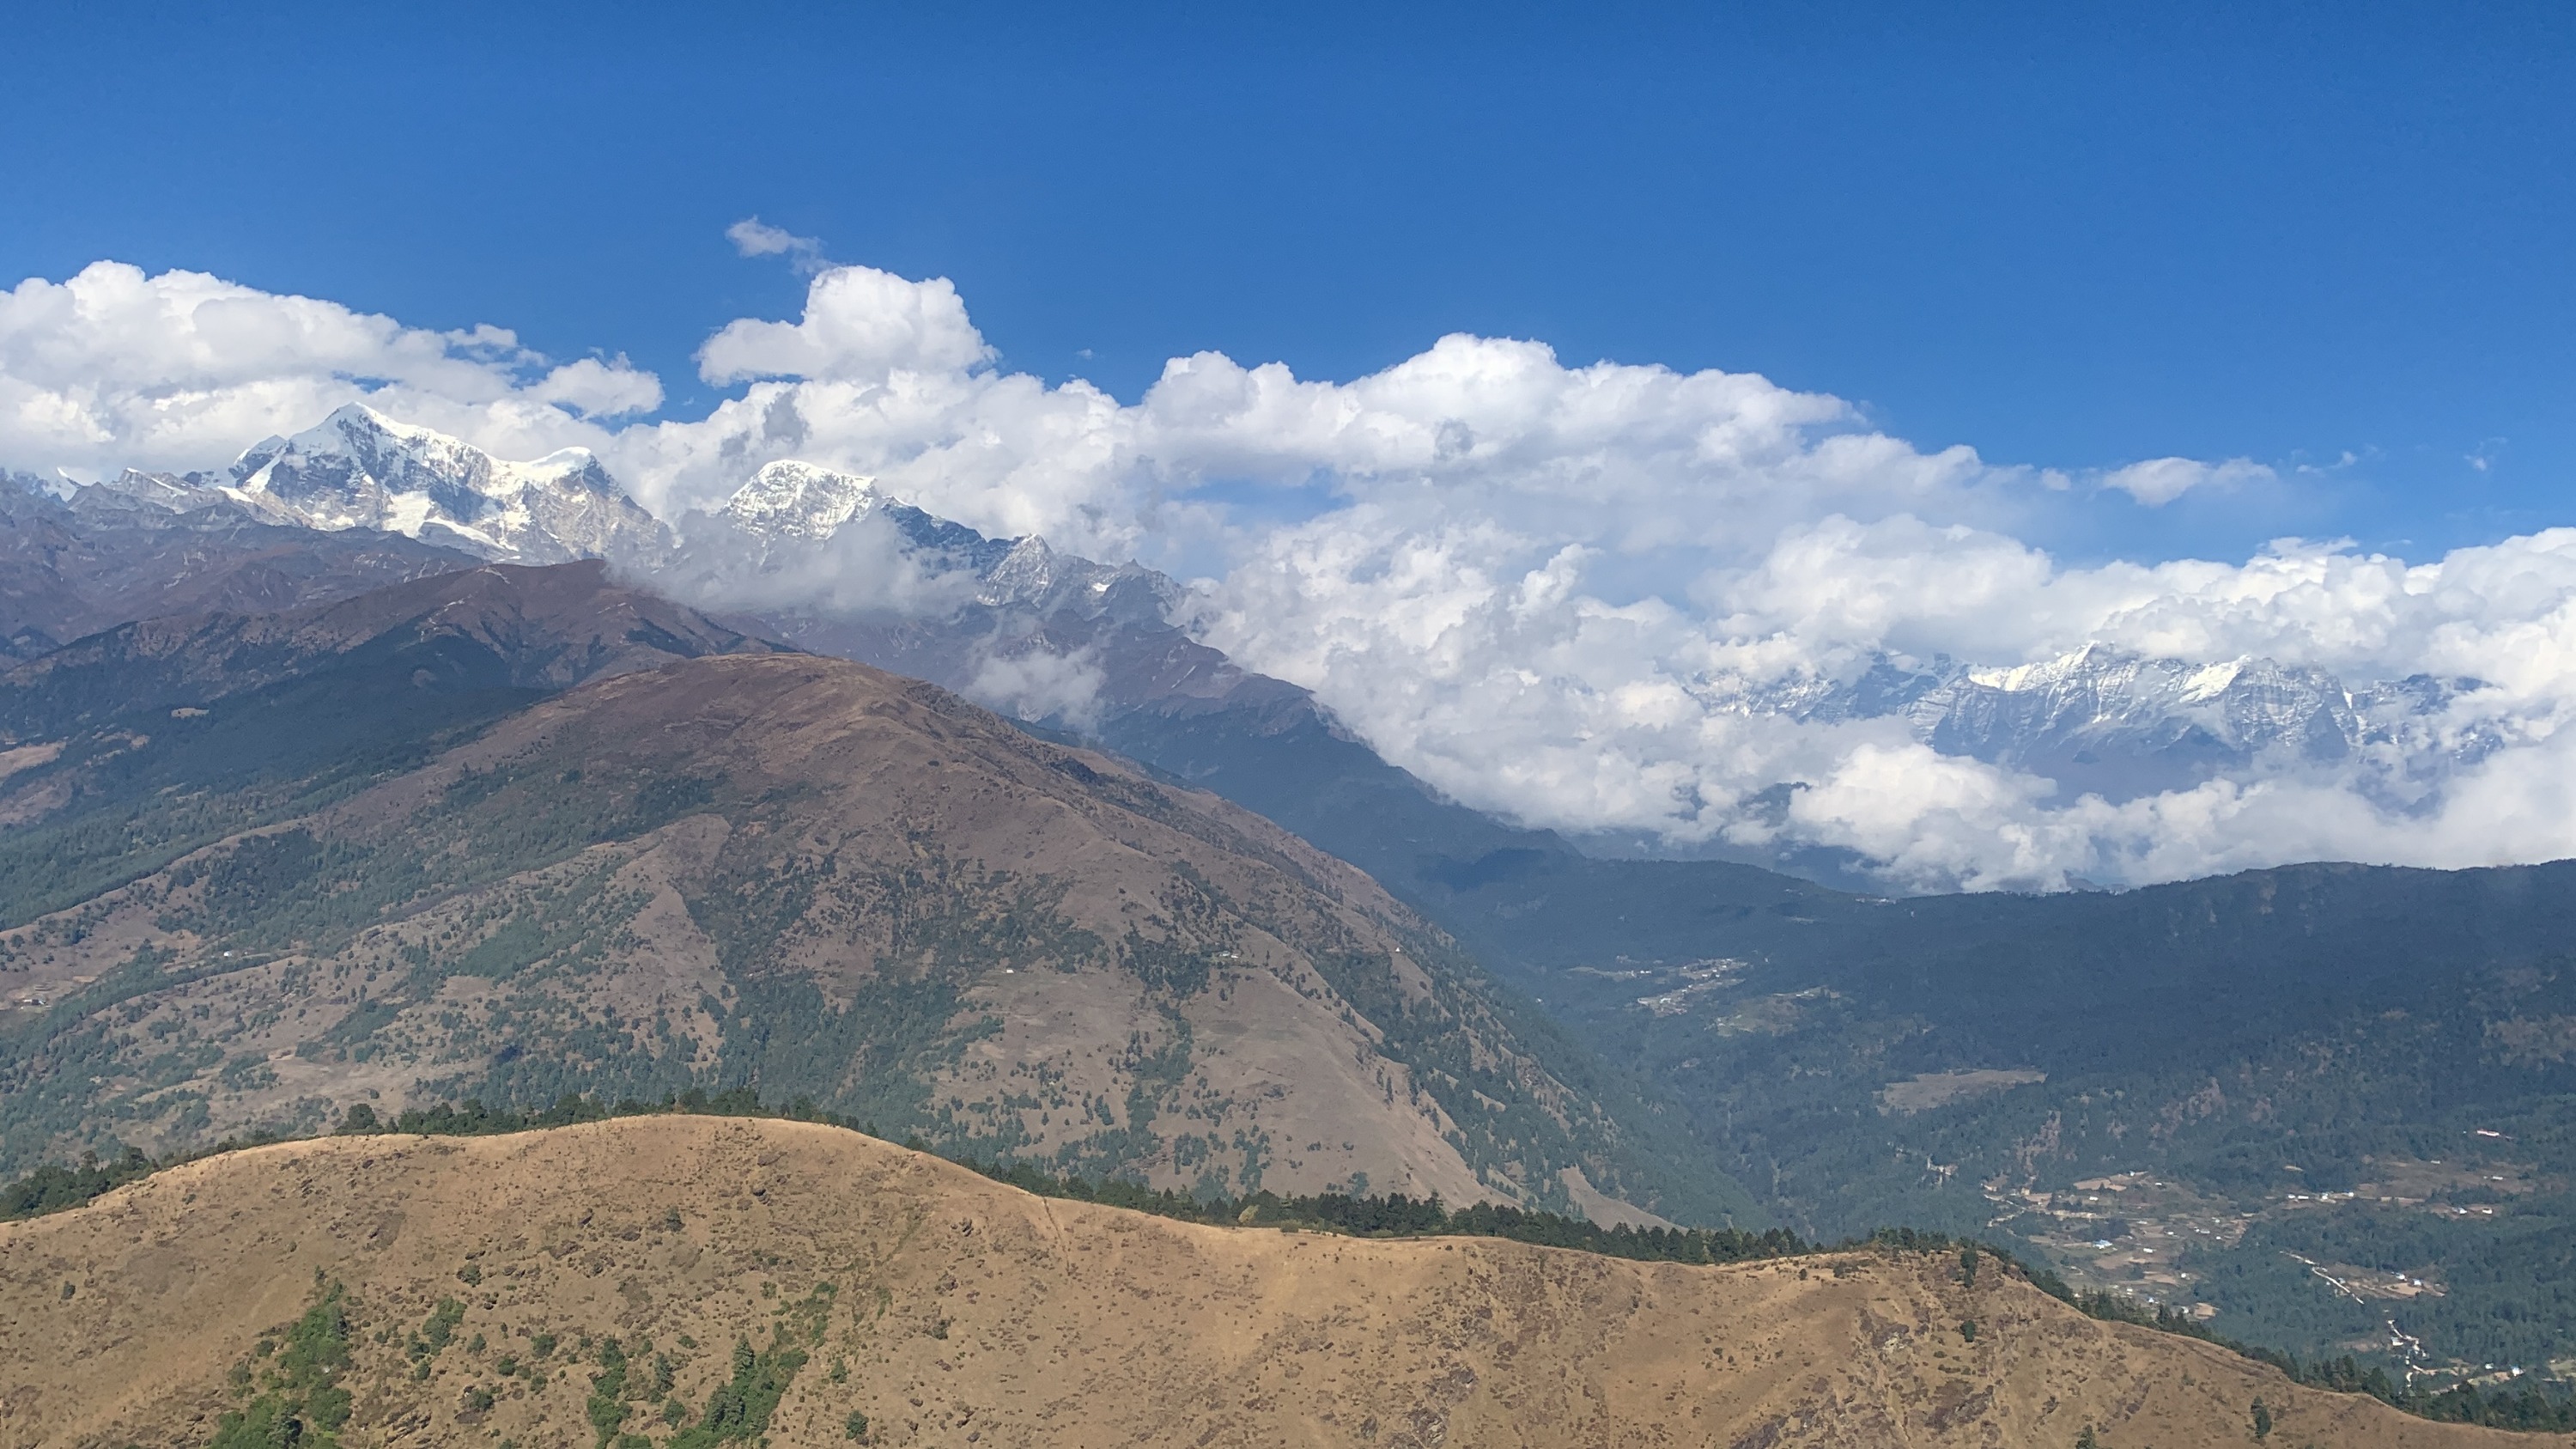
<point x="792" y="499"/>
<point x="802" y="525"/>
<point x="1033" y="575"/>
<point x="2100" y="720"/>
<point x="358" y="468"/>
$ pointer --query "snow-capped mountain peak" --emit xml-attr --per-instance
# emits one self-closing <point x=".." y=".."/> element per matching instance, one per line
<point x="134" y="489"/>
<point x="1033" y="575"/>
<point x="1030" y="571"/>
<point x="792" y="500"/>
<point x="358" y="468"/>
<point x="788" y="515"/>
<point x="2103" y="720"/>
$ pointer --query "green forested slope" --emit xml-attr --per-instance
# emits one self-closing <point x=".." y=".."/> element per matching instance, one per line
<point x="2363" y="1026"/>
<point x="2267" y="1042"/>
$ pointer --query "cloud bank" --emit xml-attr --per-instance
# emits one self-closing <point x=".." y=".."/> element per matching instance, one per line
<point x="1604" y="597"/>
<point x="114" y="369"/>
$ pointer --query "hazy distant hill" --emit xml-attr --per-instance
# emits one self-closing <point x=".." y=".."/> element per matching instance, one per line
<point x="801" y="1285"/>
<point x="522" y="628"/>
<point x="127" y="749"/>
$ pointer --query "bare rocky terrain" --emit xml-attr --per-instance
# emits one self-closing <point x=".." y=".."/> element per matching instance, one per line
<point x="481" y="1282"/>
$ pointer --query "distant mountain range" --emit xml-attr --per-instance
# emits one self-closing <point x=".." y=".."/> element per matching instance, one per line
<point x="106" y="556"/>
<point x="833" y="563"/>
<point x="358" y="469"/>
<point x="2106" y="722"/>
<point x="2364" y="1069"/>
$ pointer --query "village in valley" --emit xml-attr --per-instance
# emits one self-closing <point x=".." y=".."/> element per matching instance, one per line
<point x="2136" y="1233"/>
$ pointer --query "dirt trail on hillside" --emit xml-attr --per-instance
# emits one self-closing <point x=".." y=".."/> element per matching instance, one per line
<point x="950" y="1310"/>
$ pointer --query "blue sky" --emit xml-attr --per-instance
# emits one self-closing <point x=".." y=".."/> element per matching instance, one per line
<point x="2068" y="236"/>
<point x="2187" y="278"/>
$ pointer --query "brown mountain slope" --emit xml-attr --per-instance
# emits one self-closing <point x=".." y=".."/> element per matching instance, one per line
<point x="817" y="879"/>
<point x="949" y="1310"/>
<point x="68" y="570"/>
<point x="533" y="628"/>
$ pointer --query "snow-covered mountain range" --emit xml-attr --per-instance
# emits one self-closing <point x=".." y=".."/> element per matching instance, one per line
<point x="793" y="521"/>
<point x="360" y="469"/>
<point x="2107" y="722"/>
<point x="833" y="562"/>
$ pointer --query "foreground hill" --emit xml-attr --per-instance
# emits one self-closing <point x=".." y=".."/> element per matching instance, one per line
<point x="665" y="1276"/>
<point x="814" y="878"/>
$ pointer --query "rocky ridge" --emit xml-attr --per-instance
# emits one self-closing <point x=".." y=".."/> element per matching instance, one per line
<point x="358" y="469"/>
<point x="831" y="562"/>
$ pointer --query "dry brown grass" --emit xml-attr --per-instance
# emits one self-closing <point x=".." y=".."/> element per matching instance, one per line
<point x="966" y="1312"/>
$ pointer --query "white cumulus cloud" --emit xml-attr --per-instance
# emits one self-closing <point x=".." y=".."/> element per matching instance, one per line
<point x="599" y="389"/>
<point x="1594" y="596"/>
<point x="2159" y="481"/>
<point x="753" y="237"/>
<point x="114" y="368"/>
<point x="889" y="377"/>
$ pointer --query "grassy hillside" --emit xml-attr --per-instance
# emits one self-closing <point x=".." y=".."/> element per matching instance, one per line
<point x="700" y="1281"/>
